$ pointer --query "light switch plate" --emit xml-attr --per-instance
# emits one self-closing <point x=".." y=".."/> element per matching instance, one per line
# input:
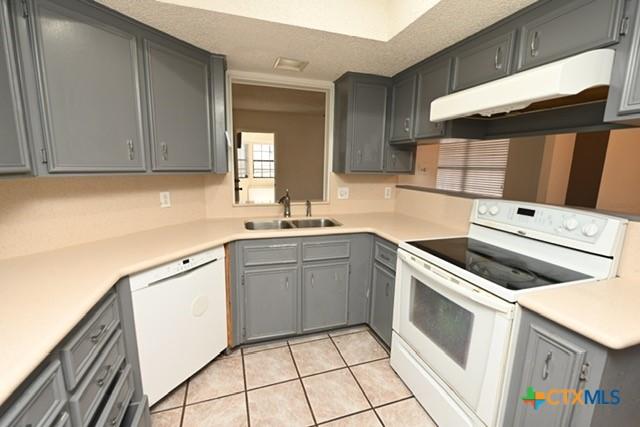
<point x="343" y="193"/>
<point x="165" y="199"/>
<point x="387" y="192"/>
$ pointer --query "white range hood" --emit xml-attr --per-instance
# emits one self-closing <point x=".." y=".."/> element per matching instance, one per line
<point x="558" y="79"/>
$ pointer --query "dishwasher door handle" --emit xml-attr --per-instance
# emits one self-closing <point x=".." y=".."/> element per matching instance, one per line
<point x="182" y="273"/>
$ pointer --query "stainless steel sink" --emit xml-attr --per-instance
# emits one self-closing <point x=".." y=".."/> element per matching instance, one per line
<point x="271" y="224"/>
<point x="281" y="224"/>
<point x="315" y="222"/>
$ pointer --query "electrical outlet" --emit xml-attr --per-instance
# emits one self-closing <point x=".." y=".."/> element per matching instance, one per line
<point x="343" y="193"/>
<point x="165" y="199"/>
<point x="387" y="192"/>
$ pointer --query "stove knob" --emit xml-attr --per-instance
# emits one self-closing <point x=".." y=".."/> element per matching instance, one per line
<point x="590" y="230"/>
<point x="482" y="209"/>
<point x="570" y="224"/>
<point x="494" y="210"/>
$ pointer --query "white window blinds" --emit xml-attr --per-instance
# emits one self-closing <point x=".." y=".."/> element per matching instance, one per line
<point x="476" y="167"/>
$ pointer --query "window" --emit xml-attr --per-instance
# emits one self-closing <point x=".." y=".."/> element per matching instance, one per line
<point x="476" y="167"/>
<point x="263" y="162"/>
<point x="242" y="162"/>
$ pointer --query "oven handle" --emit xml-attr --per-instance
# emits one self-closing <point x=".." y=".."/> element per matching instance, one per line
<point x="458" y="286"/>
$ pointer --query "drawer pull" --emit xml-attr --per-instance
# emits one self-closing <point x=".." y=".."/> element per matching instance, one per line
<point x="95" y="338"/>
<point x="384" y="257"/>
<point x="114" y="419"/>
<point x="100" y="381"/>
<point x="545" y="367"/>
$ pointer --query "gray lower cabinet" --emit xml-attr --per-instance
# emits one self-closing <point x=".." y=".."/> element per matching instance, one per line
<point x="92" y="378"/>
<point x="549" y="356"/>
<point x="360" y="123"/>
<point x="325" y="291"/>
<point x="403" y="104"/>
<point x="433" y="82"/>
<point x="270" y="301"/>
<point x="571" y="27"/>
<point x="382" y="301"/>
<point x="89" y="79"/>
<point x="14" y="148"/>
<point x="290" y="286"/>
<point x="178" y="88"/>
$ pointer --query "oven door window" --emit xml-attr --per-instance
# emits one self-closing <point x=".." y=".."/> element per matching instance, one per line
<point x="447" y="324"/>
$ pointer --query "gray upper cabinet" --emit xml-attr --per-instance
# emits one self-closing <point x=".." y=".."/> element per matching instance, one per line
<point x="14" y="149"/>
<point x="400" y="160"/>
<point x="433" y="82"/>
<point x="218" y="68"/>
<point x="573" y="27"/>
<point x="270" y="296"/>
<point x="178" y="88"/>
<point x="324" y="295"/>
<point x="360" y="123"/>
<point x="90" y="95"/>
<point x="382" y="301"/>
<point x="403" y="101"/>
<point x="483" y="60"/>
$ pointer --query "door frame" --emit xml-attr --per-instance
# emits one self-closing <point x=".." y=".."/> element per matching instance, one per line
<point x="273" y="80"/>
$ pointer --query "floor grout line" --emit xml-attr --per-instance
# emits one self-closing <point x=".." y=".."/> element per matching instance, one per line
<point x="184" y="401"/>
<point x="356" y="380"/>
<point x="304" y="390"/>
<point x="246" y="393"/>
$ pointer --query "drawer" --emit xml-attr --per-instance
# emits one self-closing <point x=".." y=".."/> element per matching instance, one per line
<point x="385" y="254"/>
<point x="328" y="249"/>
<point x="40" y="403"/>
<point x="137" y="415"/>
<point x="269" y="253"/>
<point x="118" y="402"/>
<point x="91" y="391"/>
<point x="82" y="348"/>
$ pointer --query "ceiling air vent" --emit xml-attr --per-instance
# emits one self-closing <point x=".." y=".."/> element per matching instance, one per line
<point x="289" y="64"/>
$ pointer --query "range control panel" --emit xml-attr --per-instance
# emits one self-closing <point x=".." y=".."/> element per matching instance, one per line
<point x="556" y="221"/>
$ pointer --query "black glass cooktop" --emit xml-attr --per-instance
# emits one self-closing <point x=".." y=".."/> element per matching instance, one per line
<point x="505" y="268"/>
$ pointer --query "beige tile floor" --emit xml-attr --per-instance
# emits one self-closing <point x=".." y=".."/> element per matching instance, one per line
<point x="339" y="379"/>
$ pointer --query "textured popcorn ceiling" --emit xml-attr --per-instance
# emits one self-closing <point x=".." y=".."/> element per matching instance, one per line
<point x="253" y="44"/>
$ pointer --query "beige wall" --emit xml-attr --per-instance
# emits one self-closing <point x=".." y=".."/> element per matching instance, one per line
<point x="620" y="184"/>
<point x="555" y="168"/>
<point x="523" y="168"/>
<point x="426" y="167"/>
<point x="438" y="208"/>
<point x="39" y="214"/>
<point x="299" y="149"/>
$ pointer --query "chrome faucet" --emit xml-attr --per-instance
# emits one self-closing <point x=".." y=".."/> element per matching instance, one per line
<point x="308" y="207"/>
<point x="286" y="202"/>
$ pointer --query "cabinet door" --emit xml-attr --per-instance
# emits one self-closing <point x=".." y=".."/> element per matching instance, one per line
<point x="90" y="92"/>
<point x="402" y="109"/>
<point x="178" y="87"/>
<point x="14" y="152"/>
<point x="482" y="61"/>
<point x="575" y="27"/>
<point x="382" y="302"/>
<point x="324" y="295"/>
<point x="400" y="160"/>
<point x="433" y="82"/>
<point x="369" y="115"/>
<point x="270" y="302"/>
<point x="552" y="361"/>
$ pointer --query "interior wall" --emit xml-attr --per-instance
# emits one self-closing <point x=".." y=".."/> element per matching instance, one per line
<point x="555" y="168"/>
<point x="426" y="167"/>
<point x="299" y="149"/>
<point x="621" y="174"/>
<point x="40" y="214"/>
<point x="523" y="168"/>
<point x="448" y="210"/>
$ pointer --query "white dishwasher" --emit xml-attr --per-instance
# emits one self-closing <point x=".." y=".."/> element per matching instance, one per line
<point x="180" y="319"/>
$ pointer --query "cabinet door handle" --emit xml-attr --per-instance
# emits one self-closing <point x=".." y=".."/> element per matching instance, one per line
<point x="386" y="289"/>
<point x="95" y="338"/>
<point x="545" y="367"/>
<point x="535" y="44"/>
<point x="165" y="151"/>
<point x="497" y="60"/>
<point x="286" y="283"/>
<point x="406" y="124"/>
<point x="359" y="156"/>
<point x="312" y="280"/>
<point x="130" y="148"/>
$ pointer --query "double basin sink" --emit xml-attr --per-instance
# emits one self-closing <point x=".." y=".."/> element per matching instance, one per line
<point x="283" y="224"/>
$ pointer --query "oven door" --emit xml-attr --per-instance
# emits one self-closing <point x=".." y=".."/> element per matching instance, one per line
<point x="460" y="331"/>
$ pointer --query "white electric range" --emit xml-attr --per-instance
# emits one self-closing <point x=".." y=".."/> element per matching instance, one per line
<point x="455" y="300"/>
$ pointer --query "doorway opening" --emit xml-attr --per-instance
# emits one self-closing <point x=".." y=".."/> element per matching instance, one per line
<point x="254" y="160"/>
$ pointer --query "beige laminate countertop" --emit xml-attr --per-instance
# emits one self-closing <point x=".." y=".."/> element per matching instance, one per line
<point x="604" y="311"/>
<point x="43" y="296"/>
